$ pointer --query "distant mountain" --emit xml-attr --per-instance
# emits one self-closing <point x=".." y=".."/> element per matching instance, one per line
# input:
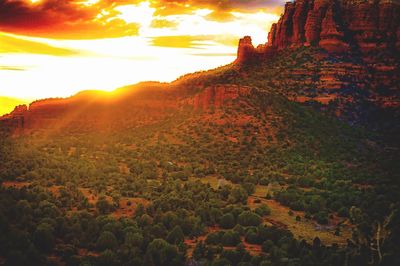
<point x="7" y="104"/>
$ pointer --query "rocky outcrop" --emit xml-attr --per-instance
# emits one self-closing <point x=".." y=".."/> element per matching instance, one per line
<point x="299" y="22"/>
<point x="338" y="25"/>
<point x="246" y="50"/>
<point x="248" y="53"/>
<point x="332" y="37"/>
<point x="284" y="28"/>
<point x="15" y="121"/>
<point x="358" y="45"/>
<point x="218" y="95"/>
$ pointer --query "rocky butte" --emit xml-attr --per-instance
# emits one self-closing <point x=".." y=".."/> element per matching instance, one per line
<point x="337" y="26"/>
<point x="333" y="51"/>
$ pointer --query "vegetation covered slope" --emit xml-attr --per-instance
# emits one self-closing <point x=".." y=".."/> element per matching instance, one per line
<point x="132" y="194"/>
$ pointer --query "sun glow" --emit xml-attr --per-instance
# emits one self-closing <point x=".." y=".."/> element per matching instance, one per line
<point x="90" y="2"/>
<point x="141" y="13"/>
<point x="165" y="46"/>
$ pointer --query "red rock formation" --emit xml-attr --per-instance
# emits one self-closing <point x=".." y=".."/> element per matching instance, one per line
<point x="331" y="37"/>
<point x="299" y="21"/>
<point x="338" y="25"/>
<point x="284" y="30"/>
<point x="272" y="34"/>
<point x="218" y="96"/>
<point x="19" y="110"/>
<point x="15" y="121"/>
<point x="246" y="50"/>
<point x="314" y="21"/>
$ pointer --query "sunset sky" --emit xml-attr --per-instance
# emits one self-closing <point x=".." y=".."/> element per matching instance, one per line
<point x="51" y="48"/>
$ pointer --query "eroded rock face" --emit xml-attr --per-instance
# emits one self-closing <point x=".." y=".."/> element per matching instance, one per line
<point x="299" y="23"/>
<point x="218" y="95"/>
<point x="332" y="36"/>
<point x="360" y="41"/>
<point x="246" y="50"/>
<point x="284" y="30"/>
<point x="338" y="25"/>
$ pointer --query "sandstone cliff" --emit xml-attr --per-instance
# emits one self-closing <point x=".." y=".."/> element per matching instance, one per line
<point x="218" y="95"/>
<point x="353" y="49"/>
<point x="335" y="25"/>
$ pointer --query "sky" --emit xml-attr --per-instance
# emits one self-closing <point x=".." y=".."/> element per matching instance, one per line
<point x="56" y="48"/>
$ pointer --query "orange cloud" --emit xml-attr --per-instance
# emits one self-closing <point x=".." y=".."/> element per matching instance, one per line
<point x="90" y="19"/>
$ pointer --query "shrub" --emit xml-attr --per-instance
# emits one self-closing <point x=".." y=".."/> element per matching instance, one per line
<point x="230" y="238"/>
<point x="227" y="221"/>
<point x="263" y="210"/>
<point x="249" y="218"/>
<point x="106" y="240"/>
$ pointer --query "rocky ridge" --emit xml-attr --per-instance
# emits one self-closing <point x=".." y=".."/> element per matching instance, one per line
<point x="134" y="107"/>
<point x="353" y="51"/>
<point x="337" y="26"/>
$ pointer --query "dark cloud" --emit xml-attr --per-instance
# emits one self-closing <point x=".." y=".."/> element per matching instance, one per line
<point x="63" y="18"/>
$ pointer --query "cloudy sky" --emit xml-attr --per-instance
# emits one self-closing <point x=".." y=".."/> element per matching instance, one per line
<point x="52" y="48"/>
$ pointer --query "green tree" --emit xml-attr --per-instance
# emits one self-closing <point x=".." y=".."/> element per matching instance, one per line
<point x="249" y="218"/>
<point x="44" y="238"/>
<point x="107" y="240"/>
<point x="227" y="221"/>
<point x="263" y="210"/>
<point x="160" y="252"/>
<point x="103" y="205"/>
<point x="238" y="195"/>
<point x="133" y="239"/>
<point x="230" y="238"/>
<point x="176" y="236"/>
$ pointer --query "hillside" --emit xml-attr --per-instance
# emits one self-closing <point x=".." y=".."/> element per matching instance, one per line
<point x="288" y="156"/>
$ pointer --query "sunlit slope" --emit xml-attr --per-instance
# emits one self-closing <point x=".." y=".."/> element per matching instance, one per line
<point x="242" y="134"/>
<point x="214" y="124"/>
